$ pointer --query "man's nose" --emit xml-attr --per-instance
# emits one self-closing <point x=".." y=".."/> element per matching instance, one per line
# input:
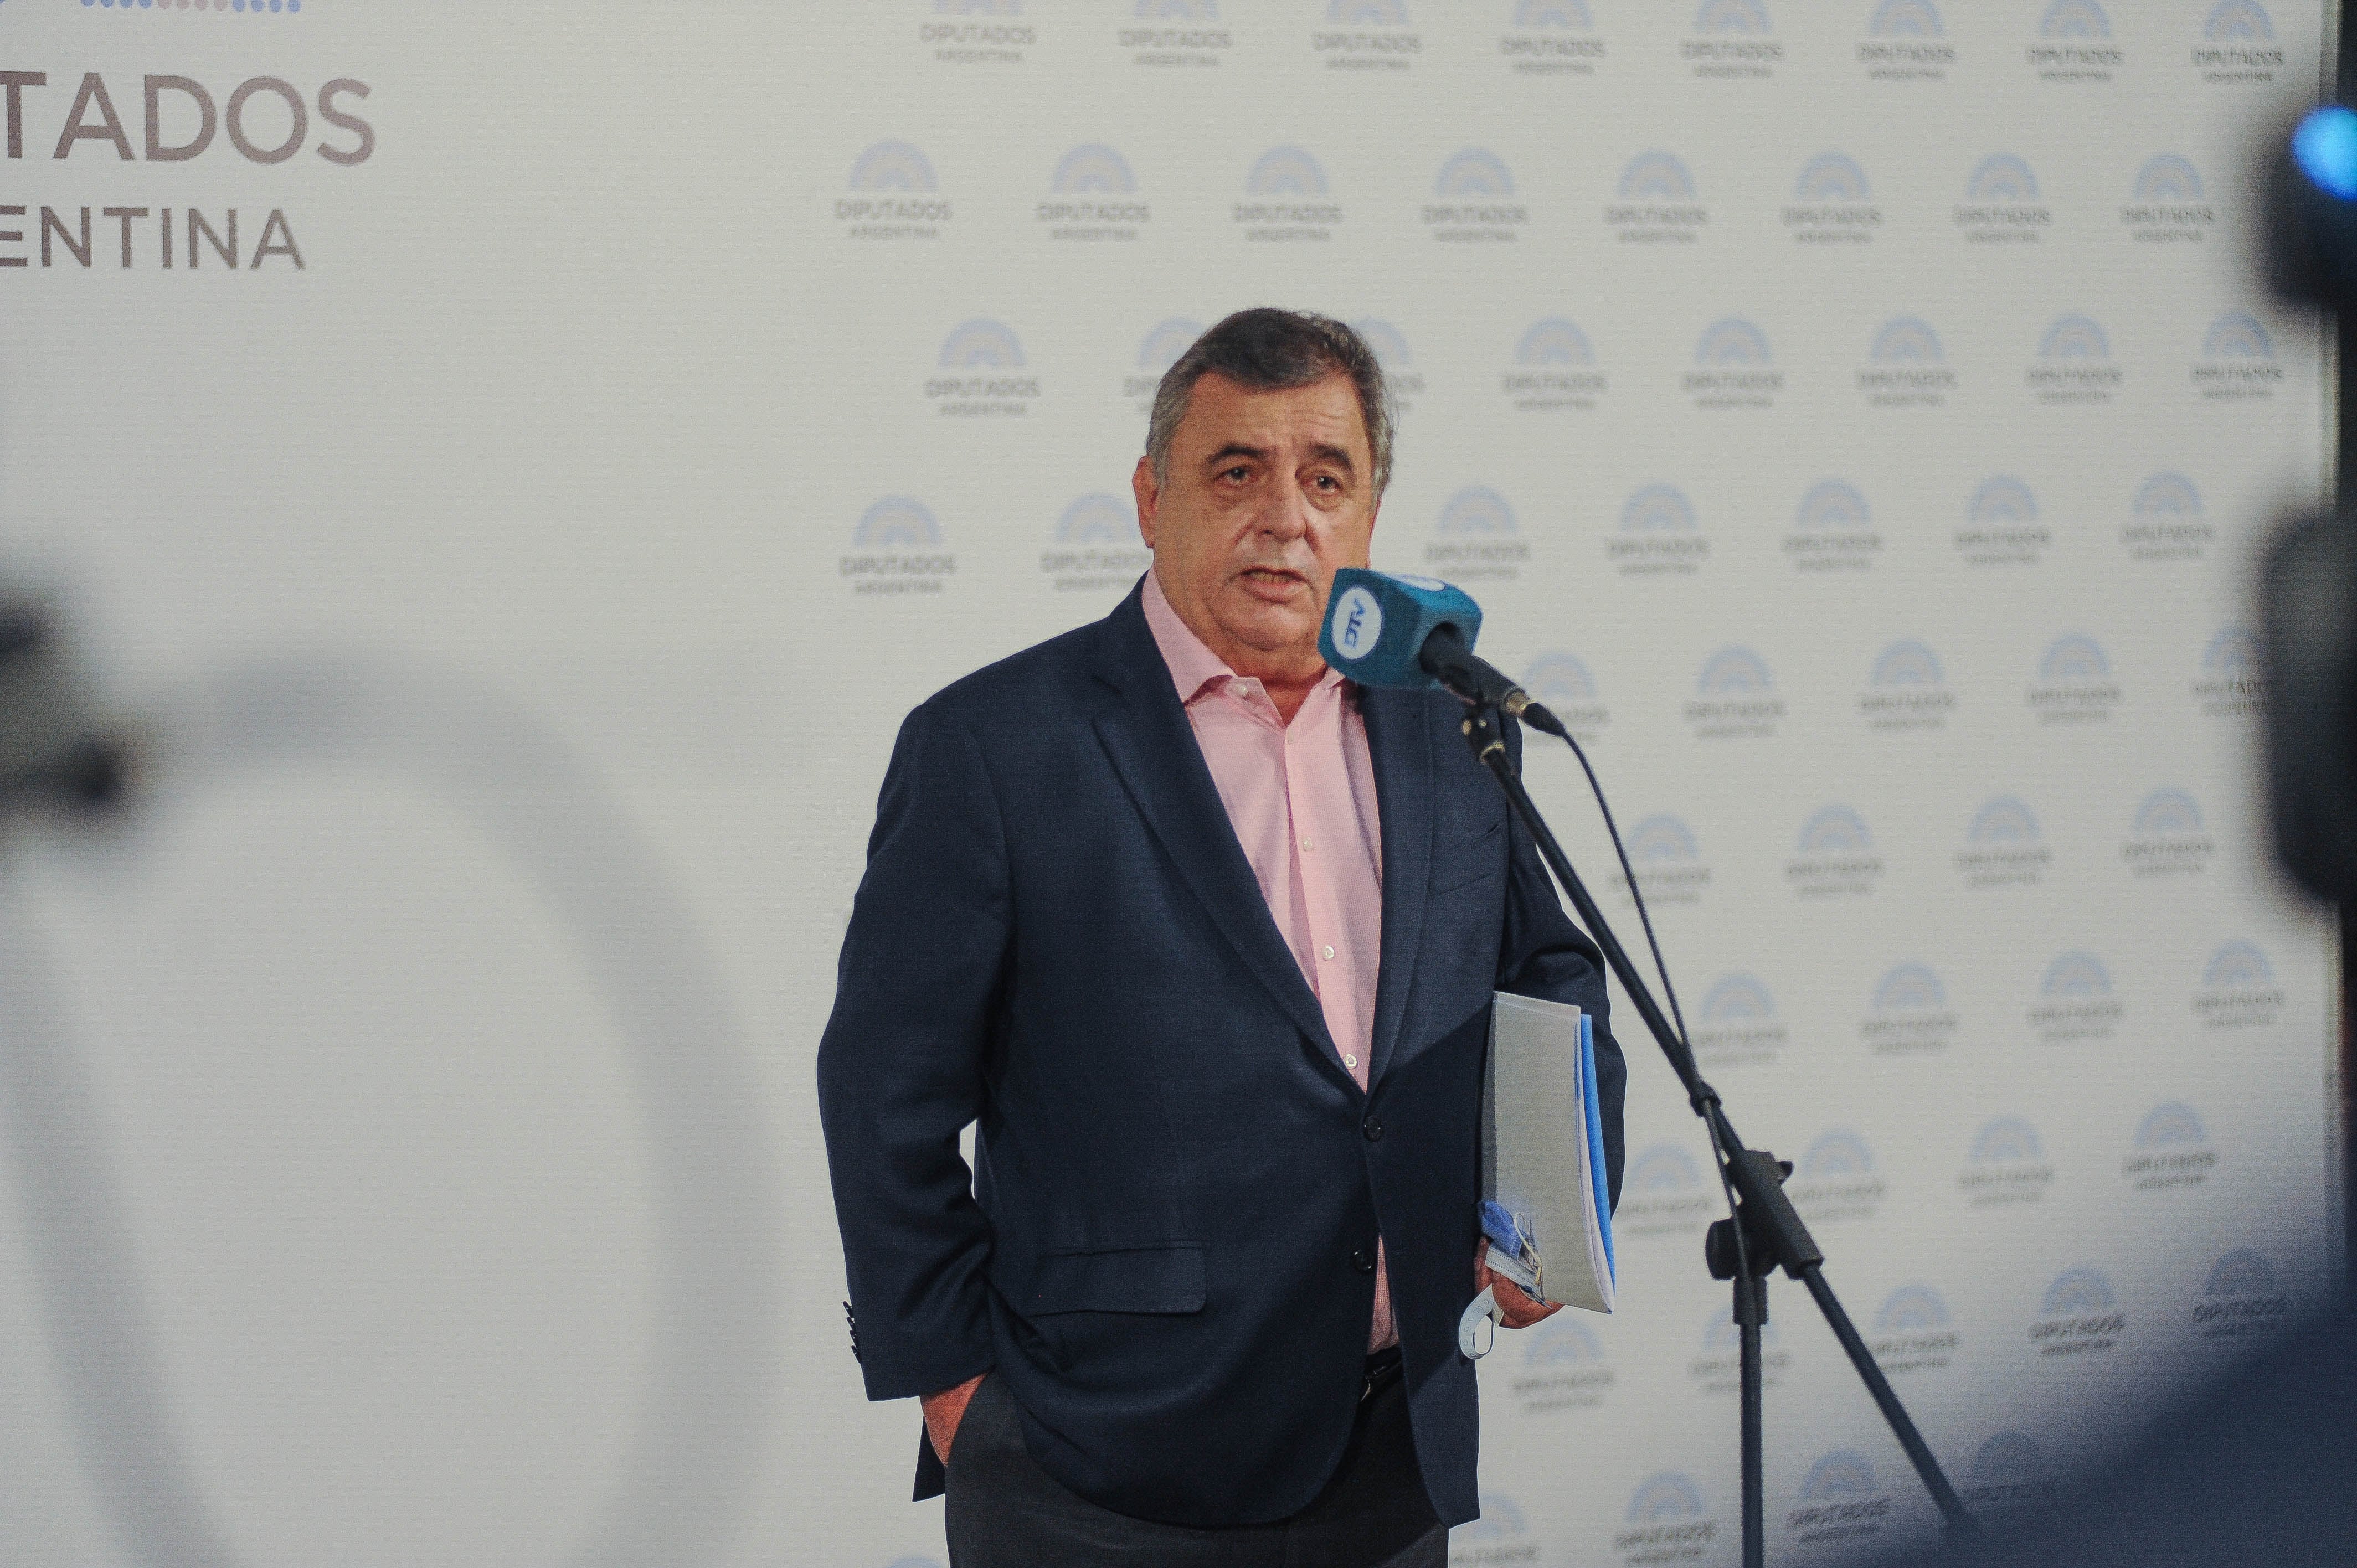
<point x="1288" y="515"/>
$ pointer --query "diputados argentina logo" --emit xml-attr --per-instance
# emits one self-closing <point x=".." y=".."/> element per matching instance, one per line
<point x="167" y="119"/>
<point x="897" y="548"/>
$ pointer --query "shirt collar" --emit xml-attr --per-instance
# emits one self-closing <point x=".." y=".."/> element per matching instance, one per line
<point x="1192" y="664"/>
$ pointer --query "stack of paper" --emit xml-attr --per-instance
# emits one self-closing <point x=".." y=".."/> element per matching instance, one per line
<point x="1543" y="1181"/>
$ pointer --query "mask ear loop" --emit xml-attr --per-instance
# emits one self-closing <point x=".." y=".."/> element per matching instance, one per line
<point x="1477" y="1331"/>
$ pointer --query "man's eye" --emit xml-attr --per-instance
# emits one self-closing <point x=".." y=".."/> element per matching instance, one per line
<point x="1236" y="473"/>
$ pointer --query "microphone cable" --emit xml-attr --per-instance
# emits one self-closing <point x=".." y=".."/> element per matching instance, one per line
<point x="1705" y="1106"/>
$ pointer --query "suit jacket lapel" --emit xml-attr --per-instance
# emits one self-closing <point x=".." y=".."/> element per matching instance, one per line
<point x="1399" y="745"/>
<point x="1154" y="749"/>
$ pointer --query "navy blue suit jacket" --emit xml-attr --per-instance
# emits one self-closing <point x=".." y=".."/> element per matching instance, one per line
<point x="1165" y="1250"/>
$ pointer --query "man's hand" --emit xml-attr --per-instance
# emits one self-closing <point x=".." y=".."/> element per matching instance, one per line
<point x="944" y="1412"/>
<point x="1521" y="1310"/>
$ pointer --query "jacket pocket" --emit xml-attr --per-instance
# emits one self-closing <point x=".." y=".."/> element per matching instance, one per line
<point x="1166" y="1279"/>
<point x="1467" y="859"/>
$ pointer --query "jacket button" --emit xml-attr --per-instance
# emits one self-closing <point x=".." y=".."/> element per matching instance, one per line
<point x="1364" y="1260"/>
<point x="1372" y="1127"/>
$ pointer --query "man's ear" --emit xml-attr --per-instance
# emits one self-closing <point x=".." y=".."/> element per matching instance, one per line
<point x="1142" y="485"/>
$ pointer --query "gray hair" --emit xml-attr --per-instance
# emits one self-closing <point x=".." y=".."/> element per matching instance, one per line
<point x="1268" y="350"/>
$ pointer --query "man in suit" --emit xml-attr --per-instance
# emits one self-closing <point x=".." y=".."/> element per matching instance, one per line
<point x="1202" y="937"/>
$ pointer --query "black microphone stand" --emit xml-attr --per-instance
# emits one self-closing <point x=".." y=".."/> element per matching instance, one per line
<point x="1765" y="1232"/>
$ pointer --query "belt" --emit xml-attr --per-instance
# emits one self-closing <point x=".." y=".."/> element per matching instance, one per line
<point x="1383" y="1369"/>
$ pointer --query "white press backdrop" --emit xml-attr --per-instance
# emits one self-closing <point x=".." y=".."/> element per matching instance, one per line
<point x="525" y="532"/>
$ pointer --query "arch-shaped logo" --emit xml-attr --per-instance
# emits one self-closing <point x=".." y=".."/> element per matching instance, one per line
<point x="2076" y="1290"/>
<point x="1737" y="999"/>
<point x="1554" y="13"/>
<point x="1474" y="172"/>
<point x="1661" y="838"/>
<point x="2238" y="21"/>
<point x="2167" y="494"/>
<point x="2073" y="656"/>
<point x="2006" y="820"/>
<point x="1563" y="1341"/>
<point x="2075" y="999"/>
<point x="896" y="522"/>
<point x="1657" y="509"/>
<point x="1832" y="503"/>
<point x="891" y="165"/>
<point x="2172" y="1125"/>
<point x="1906" y="339"/>
<point x="2074" y="336"/>
<point x="1833" y="176"/>
<point x="2002" y="498"/>
<point x="2237" y="965"/>
<point x="1500" y="1520"/>
<point x="1839" y="1152"/>
<point x="2001" y="177"/>
<point x="1559" y="680"/>
<point x="2009" y="1455"/>
<point x="1097" y="518"/>
<point x="2006" y="1138"/>
<point x="1732" y="341"/>
<point x="1093" y="167"/>
<point x="1671" y="1494"/>
<point x="2239" y="1272"/>
<point x="1368" y="13"/>
<point x="1554" y="341"/>
<point x="2076" y="974"/>
<point x="1907" y="664"/>
<point x="1732" y="17"/>
<point x="1908" y="987"/>
<point x="1477" y="509"/>
<point x="1841" y="1474"/>
<point x="1178" y="10"/>
<point x="1384" y="341"/>
<point x="1665" y="1167"/>
<point x="1911" y="1307"/>
<point x="2167" y="810"/>
<point x="1168" y="340"/>
<point x="2236" y="336"/>
<point x="1733" y="671"/>
<point x="981" y="344"/>
<point x="2233" y="652"/>
<point x="1834" y="830"/>
<point x="2166" y="177"/>
<point x="1906" y="19"/>
<point x="2074" y="19"/>
<point x="1285" y="171"/>
<point x="1656" y="176"/>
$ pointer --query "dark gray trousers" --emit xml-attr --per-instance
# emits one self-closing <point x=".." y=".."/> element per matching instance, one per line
<point x="1003" y="1512"/>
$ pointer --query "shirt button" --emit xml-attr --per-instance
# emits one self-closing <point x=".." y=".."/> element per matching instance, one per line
<point x="1325" y="952"/>
<point x="1372" y="1127"/>
<point x="1348" y="1060"/>
<point x="1305" y="846"/>
<point x="1364" y="1260"/>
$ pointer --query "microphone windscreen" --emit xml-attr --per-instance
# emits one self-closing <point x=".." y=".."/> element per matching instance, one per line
<point x="1376" y="624"/>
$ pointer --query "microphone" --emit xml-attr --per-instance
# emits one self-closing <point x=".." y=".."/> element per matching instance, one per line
<point x="1416" y="633"/>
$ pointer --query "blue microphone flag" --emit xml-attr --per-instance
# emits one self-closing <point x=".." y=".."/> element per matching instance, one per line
<point x="1376" y="624"/>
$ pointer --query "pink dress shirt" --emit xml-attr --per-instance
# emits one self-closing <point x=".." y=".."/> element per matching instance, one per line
<point x="1302" y="800"/>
